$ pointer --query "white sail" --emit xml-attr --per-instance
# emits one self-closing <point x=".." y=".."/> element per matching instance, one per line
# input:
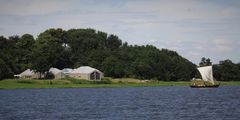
<point x="206" y="73"/>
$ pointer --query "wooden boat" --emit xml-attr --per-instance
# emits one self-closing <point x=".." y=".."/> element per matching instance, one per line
<point x="206" y="86"/>
<point x="207" y="80"/>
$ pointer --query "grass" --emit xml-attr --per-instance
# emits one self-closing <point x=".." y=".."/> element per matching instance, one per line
<point x="75" y="83"/>
<point x="232" y="83"/>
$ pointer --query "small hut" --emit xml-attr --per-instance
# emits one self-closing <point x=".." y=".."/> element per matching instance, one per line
<point x="58" y="74"/>
<point x="29" y="74"/>
<point x="86" y="72"/>
<point x="67" y="71"/>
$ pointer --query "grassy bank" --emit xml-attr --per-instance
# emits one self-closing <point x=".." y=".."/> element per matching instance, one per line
<point x="230" y="83"/>
<point x="73" y="83"/>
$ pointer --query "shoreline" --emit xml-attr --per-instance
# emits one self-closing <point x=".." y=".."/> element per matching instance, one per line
<point x="31" y="84"/>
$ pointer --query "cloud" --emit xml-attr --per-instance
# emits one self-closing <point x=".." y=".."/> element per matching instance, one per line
<point x="222" y="45"/>
<point x="221" y="42"/>
<point x="32" y="7"/>
<point x="179" y="10"/>
<point x="2" y="29"/>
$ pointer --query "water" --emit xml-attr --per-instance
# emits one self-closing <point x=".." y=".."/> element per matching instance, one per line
<point x="145" y="103"/>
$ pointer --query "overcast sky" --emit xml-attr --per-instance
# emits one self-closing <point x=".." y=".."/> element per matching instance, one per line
<point x="193" y="28"/>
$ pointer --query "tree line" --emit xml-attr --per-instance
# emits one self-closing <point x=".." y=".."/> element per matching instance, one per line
<point x="87" y="47"/>
<point x="226" y="70"/>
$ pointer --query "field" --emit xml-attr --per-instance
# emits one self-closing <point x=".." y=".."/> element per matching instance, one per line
<point x="75" y="83"/>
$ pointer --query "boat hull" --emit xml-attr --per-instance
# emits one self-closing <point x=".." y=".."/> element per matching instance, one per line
<point x="210" y="86"/>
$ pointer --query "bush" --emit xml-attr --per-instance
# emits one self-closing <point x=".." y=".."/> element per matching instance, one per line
<point x="26" y="81"/>
<point x="120" y="82"/>
<point x="58" y="82"/>
<point x="104" y="81"/>
<point x="77" y="81"/>
<point x="82" y="81"/>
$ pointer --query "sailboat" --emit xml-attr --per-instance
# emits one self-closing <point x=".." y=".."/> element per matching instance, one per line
<point x="207" y="78"/>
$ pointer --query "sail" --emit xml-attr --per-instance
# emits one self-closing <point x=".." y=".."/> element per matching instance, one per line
<point x="206" y="73"/>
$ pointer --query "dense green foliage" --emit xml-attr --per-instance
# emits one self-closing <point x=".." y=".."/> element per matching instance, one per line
<point x="227" y="71"/>
<point x="205" y="62"/>
<point x="88" y="47"/>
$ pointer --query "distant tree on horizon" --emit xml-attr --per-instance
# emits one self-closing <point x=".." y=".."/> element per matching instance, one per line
<point x="205" y="62"/>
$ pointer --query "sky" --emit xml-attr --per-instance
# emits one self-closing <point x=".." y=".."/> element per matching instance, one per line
<point x="193" y="28"/>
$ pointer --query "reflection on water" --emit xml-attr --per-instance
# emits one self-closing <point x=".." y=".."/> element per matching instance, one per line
<point x="143" y="103"/>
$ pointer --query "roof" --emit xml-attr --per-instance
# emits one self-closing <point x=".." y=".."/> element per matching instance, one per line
<point x="27" y="72"/>
<point x="85" y="70"/>
<point x="54" y="71"/>
<point x="67" y="70"/>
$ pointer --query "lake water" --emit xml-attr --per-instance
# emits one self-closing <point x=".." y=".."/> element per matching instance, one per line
<point x="139" y="103"/>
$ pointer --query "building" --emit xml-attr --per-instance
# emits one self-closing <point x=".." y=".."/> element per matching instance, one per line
<point x="58" y="74"/>
<point x="29" y="74"/>
<point x="67" y="71"/>
<point x="86" y="72"/>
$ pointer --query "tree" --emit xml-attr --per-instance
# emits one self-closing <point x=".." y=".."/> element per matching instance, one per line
<point x="59" y="34"/>
<point x="25" y="42"/>
<point x="142" y="69"/>
<point x="7" y="65"/>
<point x="112" y="66"/>
<point x="102" y="37"/>
<point x="78" y="47"/>
<point x="113" y="42"/>
<point x="229" y="71"/>
<point x="8" y="53"/>
<point x="24" y="48"/>
<point x="205" y="62"/>
<point x="5" y="71"/>
<point x="46" y="53"/>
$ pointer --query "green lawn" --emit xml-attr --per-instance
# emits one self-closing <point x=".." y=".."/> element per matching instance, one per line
<point x="73" y="83"/>
<point x="232" y="83"/>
